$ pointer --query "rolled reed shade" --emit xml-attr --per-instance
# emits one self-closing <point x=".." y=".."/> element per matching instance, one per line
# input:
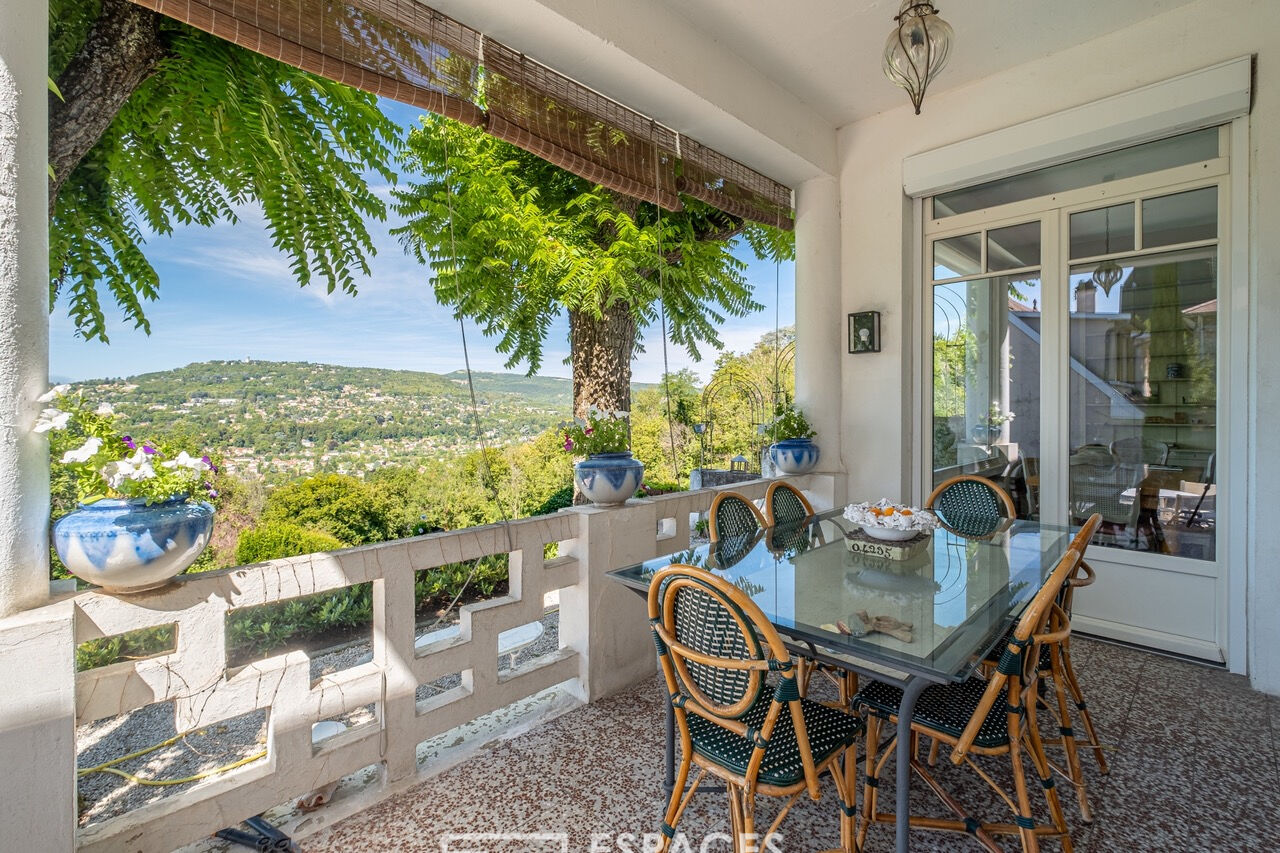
<point x="578" y="129"/>
<point x="409" y="52"/>
<point x="398" y="49"/>
<point x="724" y="183"/>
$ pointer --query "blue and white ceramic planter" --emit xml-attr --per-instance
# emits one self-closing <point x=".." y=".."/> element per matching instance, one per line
<point x="127" y="546"/>
<point x="608" y="479"/>
<point x="794" y="455"/>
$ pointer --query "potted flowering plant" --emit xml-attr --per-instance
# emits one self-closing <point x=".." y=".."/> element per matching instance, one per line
<point x="610" y="474"/>
<point x="792" y="449"/>
<point x="140" y="519"/>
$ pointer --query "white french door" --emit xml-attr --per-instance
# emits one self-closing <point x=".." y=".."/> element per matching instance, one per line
<point x="1075" y="356"/>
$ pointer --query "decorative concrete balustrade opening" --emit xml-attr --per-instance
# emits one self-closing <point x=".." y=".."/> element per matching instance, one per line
<point x="394" y="702"/>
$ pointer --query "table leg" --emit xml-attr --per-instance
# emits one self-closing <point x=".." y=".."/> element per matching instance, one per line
<point x="910" y="693"/>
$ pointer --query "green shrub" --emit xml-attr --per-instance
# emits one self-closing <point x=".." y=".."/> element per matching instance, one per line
<point x="649" y="488"/>
<point x="559" y="499"/>
<point x="343" y="506"/>
<point x="140" y="643"/>
<point x="274" y="539"/>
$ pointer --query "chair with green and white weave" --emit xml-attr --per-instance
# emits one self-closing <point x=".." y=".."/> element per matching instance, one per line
<point x="718" y="653"/>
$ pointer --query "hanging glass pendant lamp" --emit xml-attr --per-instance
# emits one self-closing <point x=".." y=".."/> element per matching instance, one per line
<point x="917" y="50"/>
<point x="1107" y="273"/>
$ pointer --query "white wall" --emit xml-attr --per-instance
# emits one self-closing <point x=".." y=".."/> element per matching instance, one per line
<point x="878" y="250"/>
<point x="24" y="296"/>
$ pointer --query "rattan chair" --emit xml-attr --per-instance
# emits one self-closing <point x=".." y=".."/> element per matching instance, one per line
<point x="717" y="651"/>
<point x="1057" y="672"/>
<point x="785" y="504"/>
<point x="995" y="716"/>
<point x="971" y="506"/>
<point x="733" y="514"/>
<point x="1056" y="668"/>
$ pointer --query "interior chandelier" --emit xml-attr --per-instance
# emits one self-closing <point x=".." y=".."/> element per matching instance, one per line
<point x="917" y="50"/>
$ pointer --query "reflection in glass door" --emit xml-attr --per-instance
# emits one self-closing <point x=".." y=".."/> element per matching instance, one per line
<point x="1143" y="386"/>
<point x="986" y="360"/>
<point x="1075" y="355"/>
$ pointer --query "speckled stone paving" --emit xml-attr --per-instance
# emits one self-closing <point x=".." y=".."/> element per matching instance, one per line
<point x="1193" y="754"/>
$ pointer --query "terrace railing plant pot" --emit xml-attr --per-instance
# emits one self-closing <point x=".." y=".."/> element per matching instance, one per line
<point x="794" y="455"/>
<point x="124" y="545"/>
<point x="608" y="479"/>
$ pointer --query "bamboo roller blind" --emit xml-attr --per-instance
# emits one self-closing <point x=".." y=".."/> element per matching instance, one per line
<point x="408" y="52"/>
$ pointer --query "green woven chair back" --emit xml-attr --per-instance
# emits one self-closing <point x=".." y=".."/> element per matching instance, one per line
<point x="785" y="506"/>
<point x="734" y="517"/>
<point x="970" y="507"/>
<point x="730" y="551"/>
<point x="790" y="537"/>
<point x="712" y="625"/>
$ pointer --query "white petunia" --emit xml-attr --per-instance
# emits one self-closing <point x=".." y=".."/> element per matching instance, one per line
<point x="186" y="460"/>
<point x="105" y="409"/>
<point x="55" y="391"/>
<point x="83" y="453"/>
<point x="51" y="418"/>
<point x="143" y="472"/>
<point x="621" y="414"/>
<point x="117" y="472"/>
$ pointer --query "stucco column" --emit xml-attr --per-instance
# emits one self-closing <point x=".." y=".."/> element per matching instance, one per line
<point x="820" y="319"/>
<point x="24" y="314"/>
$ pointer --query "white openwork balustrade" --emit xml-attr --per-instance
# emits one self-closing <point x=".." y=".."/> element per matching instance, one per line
<point x="604" y="646"/>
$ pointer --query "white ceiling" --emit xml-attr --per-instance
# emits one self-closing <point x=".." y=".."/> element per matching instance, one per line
<point x="827" y="52"/>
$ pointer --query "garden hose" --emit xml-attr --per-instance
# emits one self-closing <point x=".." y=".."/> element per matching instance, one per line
<point x="109" y="766"/>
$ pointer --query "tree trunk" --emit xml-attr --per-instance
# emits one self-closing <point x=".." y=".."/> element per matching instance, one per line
<point x="122" y="50"/>
<point x="602" y="351"/>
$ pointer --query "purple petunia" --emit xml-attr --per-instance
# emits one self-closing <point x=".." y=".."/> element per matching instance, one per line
<point x="206" y="460"/>
<point x="568" y="442"/>
<point x="149" y="450"/>
<point x="128" y="442"/>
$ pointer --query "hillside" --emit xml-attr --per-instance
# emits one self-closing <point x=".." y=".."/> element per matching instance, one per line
<point x="282" y="419"/>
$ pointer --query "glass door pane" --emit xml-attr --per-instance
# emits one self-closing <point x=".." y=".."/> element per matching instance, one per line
<point x="986" y="384"/>
<point x="1143" y="400"/>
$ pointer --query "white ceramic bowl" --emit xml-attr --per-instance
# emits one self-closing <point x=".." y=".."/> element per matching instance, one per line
<point x="889" y="534"/>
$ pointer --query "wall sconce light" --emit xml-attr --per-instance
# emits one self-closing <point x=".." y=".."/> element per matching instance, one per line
<point x="864" y="331"/>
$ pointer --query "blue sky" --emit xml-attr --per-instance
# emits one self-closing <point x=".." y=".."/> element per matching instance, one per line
<point x="226" y="293"/>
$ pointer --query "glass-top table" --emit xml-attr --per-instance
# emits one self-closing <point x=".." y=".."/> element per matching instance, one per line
<point x="947" y="605"/>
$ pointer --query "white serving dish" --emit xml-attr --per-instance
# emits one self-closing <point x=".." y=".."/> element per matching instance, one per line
<point x="889" y="534"/>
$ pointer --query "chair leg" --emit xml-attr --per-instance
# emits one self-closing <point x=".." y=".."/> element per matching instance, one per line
<point x="1074" y="772"/>
<point x="847" y="780"/>
<point x="933" y="752"/>
<point x="748" y="839"/>
<point x="1025" y="820"/>
<point x="1035" y="751"/>
<point x="678" y="801"/>
<point x="735" y="818"/>
<point x="804" y="671"/>
<point x="872" y="736"/>
<point x="1073" y="685"/>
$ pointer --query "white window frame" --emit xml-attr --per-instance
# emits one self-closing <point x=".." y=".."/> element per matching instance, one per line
<point x="1237" y="385"/>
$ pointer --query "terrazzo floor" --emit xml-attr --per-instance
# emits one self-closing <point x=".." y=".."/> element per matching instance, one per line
<point x="1193" y="751"/>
